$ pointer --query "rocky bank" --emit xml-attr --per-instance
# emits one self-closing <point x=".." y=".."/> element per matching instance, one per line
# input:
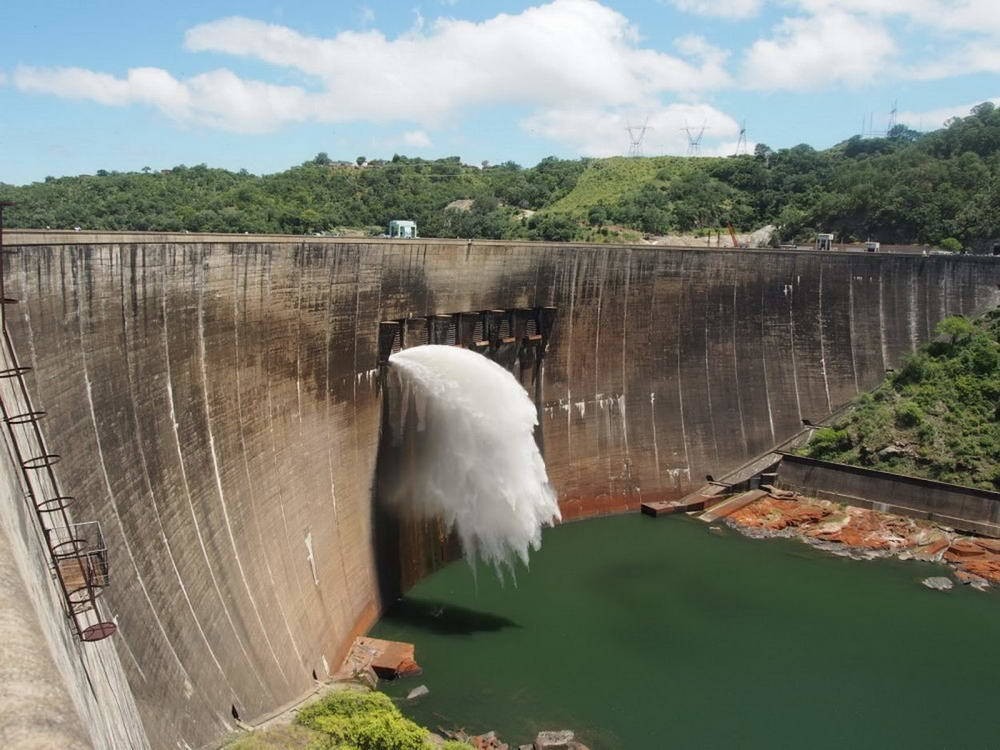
<point x="867" y="534"/>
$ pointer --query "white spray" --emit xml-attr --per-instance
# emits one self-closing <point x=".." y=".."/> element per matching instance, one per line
<point x="473" y="462"/>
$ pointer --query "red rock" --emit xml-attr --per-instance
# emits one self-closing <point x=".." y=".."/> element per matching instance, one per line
<point x="985" y="567"/>
<point x="932" y="549"/>
<point x="963" y="549"/>
<point x="777" y="514"/>
<point x="965" y="576"/>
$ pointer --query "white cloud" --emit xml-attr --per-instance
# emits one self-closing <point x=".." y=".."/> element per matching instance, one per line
<point x="366" y="15"/>
<point x="593" y="131"/>
<point x="417" y="139"/>
<point x="565" y="50"/>
<point x="931" y="119"/>
<point x="218" y="98"/>
<point x="733" y="9"/>
<point x="945" y="16"/>
<point x="554" y="55"/>
<point x="972" y="57"/>
<point x="963" y="35"/>
<point x="834" y="48"/>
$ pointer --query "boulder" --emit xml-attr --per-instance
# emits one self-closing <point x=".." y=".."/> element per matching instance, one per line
<point x="938" y="583"/>
<point x="418" y="692"/>
<point x="560" y="740"/>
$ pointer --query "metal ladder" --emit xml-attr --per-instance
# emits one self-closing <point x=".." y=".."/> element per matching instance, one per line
<point x="77" y="553"/>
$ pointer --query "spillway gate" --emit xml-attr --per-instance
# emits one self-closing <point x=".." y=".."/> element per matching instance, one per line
<point x="515" y="338"/>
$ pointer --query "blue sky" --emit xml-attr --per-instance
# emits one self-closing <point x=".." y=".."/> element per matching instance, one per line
<point x="265" y="85"/>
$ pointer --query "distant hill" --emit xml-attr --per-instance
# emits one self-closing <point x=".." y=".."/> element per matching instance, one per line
<point x="936" y="188"/>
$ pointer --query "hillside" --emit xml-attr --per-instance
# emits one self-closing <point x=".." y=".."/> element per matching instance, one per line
<point x="938" y="417"/>
<point x="608" y="181"/>
<point x="936" y="188"/>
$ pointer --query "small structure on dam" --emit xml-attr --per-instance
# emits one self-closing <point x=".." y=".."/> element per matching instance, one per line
<point x="216" y="403"/>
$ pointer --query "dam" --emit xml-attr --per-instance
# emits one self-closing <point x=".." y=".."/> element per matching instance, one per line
<point x="215" y="405"/>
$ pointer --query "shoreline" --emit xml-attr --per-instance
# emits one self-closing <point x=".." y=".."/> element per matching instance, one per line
<point x="863" y="534"/>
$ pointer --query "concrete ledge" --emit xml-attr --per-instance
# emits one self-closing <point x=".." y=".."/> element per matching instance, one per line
<point x="27" y="237"/>
<point x="968" y="509"/>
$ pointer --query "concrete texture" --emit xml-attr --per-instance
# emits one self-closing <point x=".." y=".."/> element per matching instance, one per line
<point x="54" y="691"/>
<point x="217" y="407"/>
<point x="964" y="508"/>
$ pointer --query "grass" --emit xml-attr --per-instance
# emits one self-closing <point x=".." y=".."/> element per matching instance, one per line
<point x="609" y="180"/>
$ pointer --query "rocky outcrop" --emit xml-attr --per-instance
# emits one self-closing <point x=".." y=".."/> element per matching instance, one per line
<point x="564" y="739"/>
<point x="864" y="533"/>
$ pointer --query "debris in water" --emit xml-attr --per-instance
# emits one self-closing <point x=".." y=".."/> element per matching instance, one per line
<point x="938" y="583"/>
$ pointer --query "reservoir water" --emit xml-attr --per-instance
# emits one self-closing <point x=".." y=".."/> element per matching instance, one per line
<point x="640" y="633"/>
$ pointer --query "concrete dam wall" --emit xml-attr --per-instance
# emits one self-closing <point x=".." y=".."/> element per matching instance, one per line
<point x="216" y="405"/>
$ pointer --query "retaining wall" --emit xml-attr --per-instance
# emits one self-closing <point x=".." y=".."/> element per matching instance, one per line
<point x="964" y="508"/>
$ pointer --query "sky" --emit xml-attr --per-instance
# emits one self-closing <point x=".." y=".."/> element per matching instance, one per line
<point x="261" y="85"/>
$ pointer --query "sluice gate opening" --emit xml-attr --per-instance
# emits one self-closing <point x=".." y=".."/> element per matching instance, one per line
<point x="409" y="545"/>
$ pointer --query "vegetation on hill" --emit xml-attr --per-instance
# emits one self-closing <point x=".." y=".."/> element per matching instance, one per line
<point x="937" y="417"/>
<point x="939" y="188"/>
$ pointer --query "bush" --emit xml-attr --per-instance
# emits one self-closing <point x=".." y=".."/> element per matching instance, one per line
<point x="915" y="368"/>
<point x="951" y="245"/>
<point x="827" y="441"/>
<point x="908" y="415"/>
<point x="363" y="721"/>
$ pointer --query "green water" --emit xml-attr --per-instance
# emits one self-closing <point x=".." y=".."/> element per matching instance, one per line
<point x="642" y="633"/>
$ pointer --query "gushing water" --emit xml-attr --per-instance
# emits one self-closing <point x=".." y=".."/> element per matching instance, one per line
<point x="466" y="427"/>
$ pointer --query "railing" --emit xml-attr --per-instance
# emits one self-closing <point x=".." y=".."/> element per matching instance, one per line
<point x="77" y="552"/>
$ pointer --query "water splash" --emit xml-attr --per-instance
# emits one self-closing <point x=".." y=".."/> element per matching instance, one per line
<point x="465" y="429"/>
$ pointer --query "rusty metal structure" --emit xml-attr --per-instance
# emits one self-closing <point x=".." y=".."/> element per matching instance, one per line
<point x="516" y="339"/>
<point x="77" y="553"/>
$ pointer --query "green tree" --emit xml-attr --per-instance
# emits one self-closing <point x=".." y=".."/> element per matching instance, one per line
<point x="956" y="328"/>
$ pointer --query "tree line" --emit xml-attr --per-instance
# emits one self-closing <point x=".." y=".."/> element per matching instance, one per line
<point x="941" y="188"/>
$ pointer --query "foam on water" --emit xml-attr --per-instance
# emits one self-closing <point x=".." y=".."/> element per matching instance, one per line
<point x="474" y="461"/>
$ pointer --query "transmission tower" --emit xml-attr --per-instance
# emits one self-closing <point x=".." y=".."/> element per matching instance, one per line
<point x="893" y="114"/>
<point x="694" y="138"/>
<point x="741" y="144"/>
<point x="636" y="135"/>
